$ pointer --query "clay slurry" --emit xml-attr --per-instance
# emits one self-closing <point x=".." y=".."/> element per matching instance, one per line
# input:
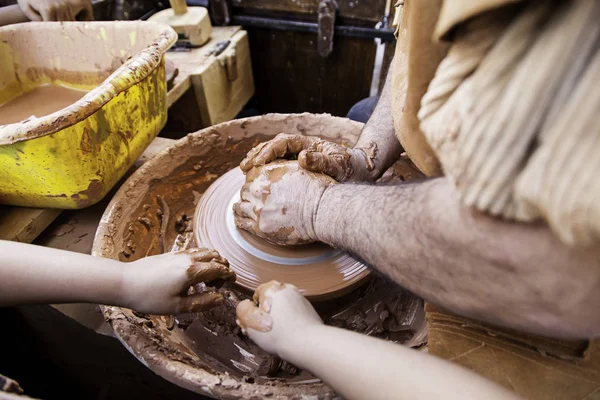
<point x="39" y="102"/>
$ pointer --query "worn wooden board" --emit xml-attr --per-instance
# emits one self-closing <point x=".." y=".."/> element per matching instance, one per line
<point x="22" y="224"/>
<point x="221" y="83"/>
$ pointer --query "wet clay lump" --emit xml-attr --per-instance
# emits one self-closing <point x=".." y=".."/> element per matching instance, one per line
<point x="319" y="271"/>
<point x="39" y="102"/>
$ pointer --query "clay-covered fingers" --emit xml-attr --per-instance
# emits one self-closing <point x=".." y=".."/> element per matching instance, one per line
<point x="334" y="166"/>
<point x="248" y="162"/>
<point x="250" y="316"/>
<point x="244" y="222"/>
<point x="282" y="146"/>
<point x="263" y="293"/>
<point x="254" y="314"/>
<point x="246" y="215"/>
<point x="247" y="224"/>
<point x="29" y="12"/>
<point x="57" y="10"/>
<point x="327" y="158"/>
<point x="244" y="209"/>
<point x="64" y="14"/>
<point x="251" y="190"/>
<point x="49" y="13"/>
<point x="201" y="254"/>
<point x="200" y="302"/>
<point x="207" y="266"/>
<point x="208" y="272"/>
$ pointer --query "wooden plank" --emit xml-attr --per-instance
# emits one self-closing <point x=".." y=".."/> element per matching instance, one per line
<point x="24" y="224"/>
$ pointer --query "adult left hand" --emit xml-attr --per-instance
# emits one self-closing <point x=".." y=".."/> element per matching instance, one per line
<point x="279" y="203"/>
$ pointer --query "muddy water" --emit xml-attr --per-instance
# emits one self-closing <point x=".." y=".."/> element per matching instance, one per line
<point x="39" y="102"/>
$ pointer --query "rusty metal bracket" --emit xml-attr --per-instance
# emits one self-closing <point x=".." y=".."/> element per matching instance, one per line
<point x="250" y="21"/>
<point x="326" y="22"/>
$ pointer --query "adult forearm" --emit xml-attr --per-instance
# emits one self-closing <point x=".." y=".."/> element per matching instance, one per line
<point x="379" y="136"/>
<point x="517" y="275"/>
<point x="33" y="274"/>
<point x="360" y="367"/>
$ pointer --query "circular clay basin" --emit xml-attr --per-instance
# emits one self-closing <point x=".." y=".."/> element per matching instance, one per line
<point x="206" y="352"/>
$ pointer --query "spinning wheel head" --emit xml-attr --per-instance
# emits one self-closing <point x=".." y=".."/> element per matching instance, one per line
<point x="319" y="271"/>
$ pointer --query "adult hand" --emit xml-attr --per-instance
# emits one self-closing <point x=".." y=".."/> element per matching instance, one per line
<point x="57" y="10"/>
<point x="277" y="313"/>
<point x="159" y="285"/>
<point x="279" y="203"/>
<point x="315" y="155"/>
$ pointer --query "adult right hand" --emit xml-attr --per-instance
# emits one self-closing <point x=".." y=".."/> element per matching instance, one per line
<point x="57" y="10"/>
<point x="316" y="155"/>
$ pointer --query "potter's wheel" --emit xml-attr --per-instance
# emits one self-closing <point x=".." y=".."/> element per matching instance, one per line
<point x="319" y="271"/>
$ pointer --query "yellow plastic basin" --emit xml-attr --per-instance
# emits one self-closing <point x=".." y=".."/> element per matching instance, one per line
<point x="71" y="158"/>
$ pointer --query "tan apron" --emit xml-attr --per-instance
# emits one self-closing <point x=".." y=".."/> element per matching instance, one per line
<point x="533" y="366"/>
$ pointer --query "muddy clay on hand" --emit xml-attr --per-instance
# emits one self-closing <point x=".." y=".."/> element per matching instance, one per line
<point x="206" y="352"/>
<point x="319" y="271"/>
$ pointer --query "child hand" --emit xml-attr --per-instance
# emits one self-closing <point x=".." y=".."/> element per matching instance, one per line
<point x="159" y="285"/>
<point x="278" y="312"/>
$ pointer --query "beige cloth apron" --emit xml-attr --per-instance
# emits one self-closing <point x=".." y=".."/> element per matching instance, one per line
<point x="534" y="367"/>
